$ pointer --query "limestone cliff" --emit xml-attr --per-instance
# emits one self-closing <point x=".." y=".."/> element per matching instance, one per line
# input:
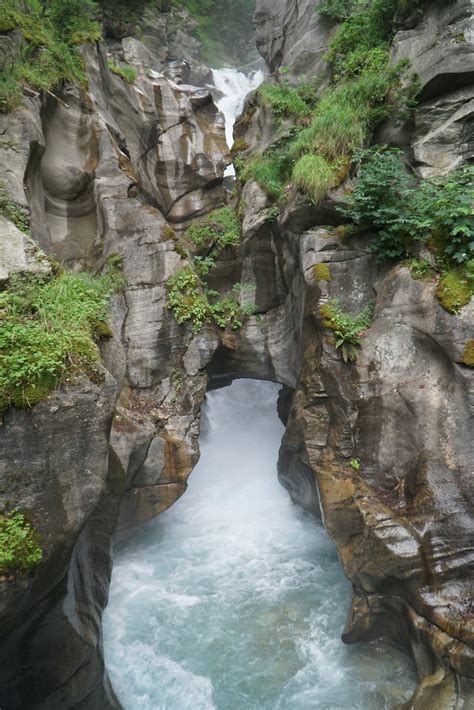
<point x="123" y="169"/>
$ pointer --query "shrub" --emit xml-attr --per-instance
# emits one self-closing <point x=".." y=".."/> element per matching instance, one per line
<point x="187" y="300"/>
<point x="218" y="229"/>
<point x="388" y="201"/>
<point x="284" y="100"/>
<point x="48" y="330"/>
<point x="20" y="549"/>
<point x="190" y="300"/>
<point x="347" y="328"/>
<point x="421" y="269"/>
<point x="335" y="9"/>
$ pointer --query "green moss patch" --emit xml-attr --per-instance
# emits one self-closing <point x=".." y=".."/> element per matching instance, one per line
<point x="468" y="353"/>
<point x="20" y="549"/>
<point x="128" y="74"/>
<point x="322" y="272"/>
<point x="455" y="290"/>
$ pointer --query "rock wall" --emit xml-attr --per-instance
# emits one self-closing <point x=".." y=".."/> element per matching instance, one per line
<point x="119" y="169"/>
<point x="403" y="522"/>
<point x="122" y="169"/>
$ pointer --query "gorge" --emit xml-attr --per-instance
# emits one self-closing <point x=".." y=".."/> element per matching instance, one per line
<point x="125" y="173"/>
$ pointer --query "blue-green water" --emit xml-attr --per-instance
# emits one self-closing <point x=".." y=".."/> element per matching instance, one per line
<point x="234" y="599"/>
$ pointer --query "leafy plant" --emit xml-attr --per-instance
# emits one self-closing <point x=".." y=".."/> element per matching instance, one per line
<point x="187" y="299"/>
<point x="218" y="229"/>
<point x="348" y="329"/>
<point x="421" y="269"/>
<point x="389" y="201"/>
<point x="355" y="464"/>
<point x="20" y="549"/>
<point x="49" y="326"/>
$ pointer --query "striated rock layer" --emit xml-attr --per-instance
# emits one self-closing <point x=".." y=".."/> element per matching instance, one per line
<point x="403" y="523"/>
<point x="122" y="170"/>
<point x="118" y="170"/>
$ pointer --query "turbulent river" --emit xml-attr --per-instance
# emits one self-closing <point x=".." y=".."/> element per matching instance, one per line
<point x="234" y="598"/>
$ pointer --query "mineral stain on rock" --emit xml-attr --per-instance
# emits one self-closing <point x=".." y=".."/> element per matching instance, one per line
<point x="122" y="168"/>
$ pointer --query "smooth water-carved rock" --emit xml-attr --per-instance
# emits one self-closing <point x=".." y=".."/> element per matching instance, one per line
<point x="291" y="34"/>
<point x="58" y="474"/>
<point x="19" y="253"/>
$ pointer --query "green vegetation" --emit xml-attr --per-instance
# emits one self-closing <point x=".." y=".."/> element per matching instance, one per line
<point x="421" y="269"/>
<point x="388" y="201"/>
<point x="348" y="329"/>
<point x="51" y="31"/>
<point x="287" y="101"/>
<point x="318" y="153"/>
<point x="14" y="212"/>
<point x="189" y="297"/>
<point x="314" y="175"/>
<point x="128" y="74"/>
<point x="355" y="464"/>
<point x="49" y="326"/>
<point x="322" y="272"/>
<point x="218" y="229"/>
<point x="468" y="354"/>
<point x="20" y="550"/>
<point x="456" y="288"/>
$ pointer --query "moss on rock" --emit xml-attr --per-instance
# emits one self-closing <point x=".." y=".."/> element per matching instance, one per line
<point x="454" y="290"/>
<point x="468" y="354"/>
<point x="322" y="272"/>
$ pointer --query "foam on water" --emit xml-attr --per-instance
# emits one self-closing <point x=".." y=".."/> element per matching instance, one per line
<point x="233" y="86"/>
<point x="234" y="598"/>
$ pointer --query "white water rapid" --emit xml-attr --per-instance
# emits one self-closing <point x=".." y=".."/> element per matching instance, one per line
<point x="233" y="87"/>
<point x="234" y="598"/>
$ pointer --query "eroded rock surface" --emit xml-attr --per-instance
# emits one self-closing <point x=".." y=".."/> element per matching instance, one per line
<point x="122" y="170"/>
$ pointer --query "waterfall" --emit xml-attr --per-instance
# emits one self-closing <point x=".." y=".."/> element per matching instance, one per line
<point x="233" y="87"/>
<point x="234" y="598"/>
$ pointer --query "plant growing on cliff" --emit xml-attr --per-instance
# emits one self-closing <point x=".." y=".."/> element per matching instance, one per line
<point x="347" y="328"/>
<point x="189" y="297"/>
<point x="14" y="212"/>
<point x="288" y="101"/>
<point x="51" y="32"/>
<point x="20" y="550"/>
<point x="219" y="229"/>
<point x="49" y="326"/>
<point x="365" y="89"/>
<point x="400" y="211"/>
<point x="128" y="74"/>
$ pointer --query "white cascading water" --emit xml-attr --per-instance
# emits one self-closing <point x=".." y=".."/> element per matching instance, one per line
<point x="234" y="598"/>
<point x="233" y="87"/>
